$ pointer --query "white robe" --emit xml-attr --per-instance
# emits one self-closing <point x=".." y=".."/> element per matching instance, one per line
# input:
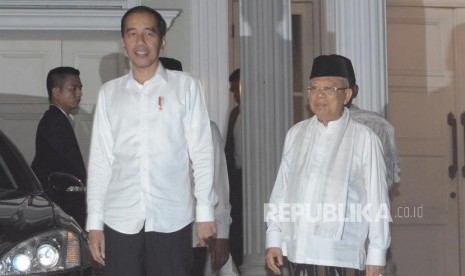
<point x="294" y="229"/>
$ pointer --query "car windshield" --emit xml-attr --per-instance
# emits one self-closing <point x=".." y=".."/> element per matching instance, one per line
<point x="15" y="173"/>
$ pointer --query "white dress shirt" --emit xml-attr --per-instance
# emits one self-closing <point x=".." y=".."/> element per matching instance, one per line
<point x="366" y="187"/>
<point x="144" y="138"/>
<point x="222" y="208"/>
<point x="221" y="186"/>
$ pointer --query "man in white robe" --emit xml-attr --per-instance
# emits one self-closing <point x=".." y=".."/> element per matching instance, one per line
<point x="329" y="209"/>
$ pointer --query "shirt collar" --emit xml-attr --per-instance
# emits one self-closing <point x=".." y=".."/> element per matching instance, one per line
<point x="160" y="74"/>
<point x="69" y="116"/>
<point x="336" y="123"/>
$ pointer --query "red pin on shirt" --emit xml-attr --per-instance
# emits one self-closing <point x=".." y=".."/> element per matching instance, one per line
<point x="161" y="102"/>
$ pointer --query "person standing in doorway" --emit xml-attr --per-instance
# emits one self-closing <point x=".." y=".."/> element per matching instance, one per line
<point x="233" y="152"/>
<point x="216" y="259"/>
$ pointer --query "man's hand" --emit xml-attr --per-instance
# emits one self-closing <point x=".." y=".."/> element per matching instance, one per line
<point x="97" y="246"/>
<point x="374" y="270"/>
<point x="274" y="259"/>
<point x="219" y="250"/>
<point x="205" y="232"/>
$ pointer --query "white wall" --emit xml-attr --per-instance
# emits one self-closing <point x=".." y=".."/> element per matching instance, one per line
<point x="178" y="37"/>
<point x="98" y="54"/>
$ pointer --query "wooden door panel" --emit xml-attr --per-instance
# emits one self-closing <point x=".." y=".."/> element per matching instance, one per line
<point x="422" y="198"/>
<point x="460" y="73"/>
<point x="422" y="91"/>
<point x="419" y="124"/>
<point x="23" y="94"/>
<point x="426" y="258"/>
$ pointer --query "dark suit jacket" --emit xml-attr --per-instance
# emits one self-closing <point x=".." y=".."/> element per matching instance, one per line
<point x="236" y="234"/>
<point x="57" y="150"/>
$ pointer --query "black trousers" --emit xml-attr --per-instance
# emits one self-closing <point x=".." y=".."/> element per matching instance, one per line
<point x="236" y="235"/>
<point x="317" y="270"/>
<point x="200" y="260"/>
<point x="148" y="253"/>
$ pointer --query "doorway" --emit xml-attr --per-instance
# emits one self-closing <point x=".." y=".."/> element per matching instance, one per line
<point x="305" y="46"/>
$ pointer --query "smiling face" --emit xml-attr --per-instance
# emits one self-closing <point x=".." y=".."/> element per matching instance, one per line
<point x="329" y="107"/>
<point x="142" y="43"/>
<point x="68" y="96"/>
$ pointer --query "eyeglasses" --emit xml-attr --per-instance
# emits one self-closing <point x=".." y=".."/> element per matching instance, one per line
<point x="326" y="90"/>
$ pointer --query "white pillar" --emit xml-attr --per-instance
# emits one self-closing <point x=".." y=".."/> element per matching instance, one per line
<point x="209" y="53"/>
<point x="357" y="30"/>
<point x="266" y="74"/>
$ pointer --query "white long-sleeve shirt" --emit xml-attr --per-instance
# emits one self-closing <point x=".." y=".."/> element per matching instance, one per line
<point x="144" y="137"/>
<point x="385" y="132"/>
<point x="366" y="187"/>
<point x="221" y="186"/>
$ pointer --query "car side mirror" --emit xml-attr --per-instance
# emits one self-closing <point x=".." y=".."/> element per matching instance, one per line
<point x="65" y="183"/>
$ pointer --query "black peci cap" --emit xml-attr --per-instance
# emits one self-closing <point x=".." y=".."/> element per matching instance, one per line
<point x="333" y="66"/>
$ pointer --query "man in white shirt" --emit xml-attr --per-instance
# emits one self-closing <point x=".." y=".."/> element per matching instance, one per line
<point x="150" y="127"/>
<point x="379" y="125"/>
<point x="217" y="260"/>
<point x="329" y="209"/>
<point x="220" y="262"/>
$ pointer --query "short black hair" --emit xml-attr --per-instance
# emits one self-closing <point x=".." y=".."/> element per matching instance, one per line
<point x="57" y="77"/>
<point x="235" y="75"/>
<point x="161" y="24"/>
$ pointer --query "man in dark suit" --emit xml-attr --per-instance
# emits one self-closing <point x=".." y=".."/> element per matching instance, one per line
<point x="57" y="149"/>
<point x="233" y="151"/>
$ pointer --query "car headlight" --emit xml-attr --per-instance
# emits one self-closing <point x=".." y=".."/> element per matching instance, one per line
<point x="55" y="250"/>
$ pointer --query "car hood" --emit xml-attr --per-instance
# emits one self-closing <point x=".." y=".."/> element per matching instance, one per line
<point x="23" y="214"/>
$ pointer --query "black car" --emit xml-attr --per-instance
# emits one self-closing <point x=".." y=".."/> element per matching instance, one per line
<point x="36" y="236"/>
